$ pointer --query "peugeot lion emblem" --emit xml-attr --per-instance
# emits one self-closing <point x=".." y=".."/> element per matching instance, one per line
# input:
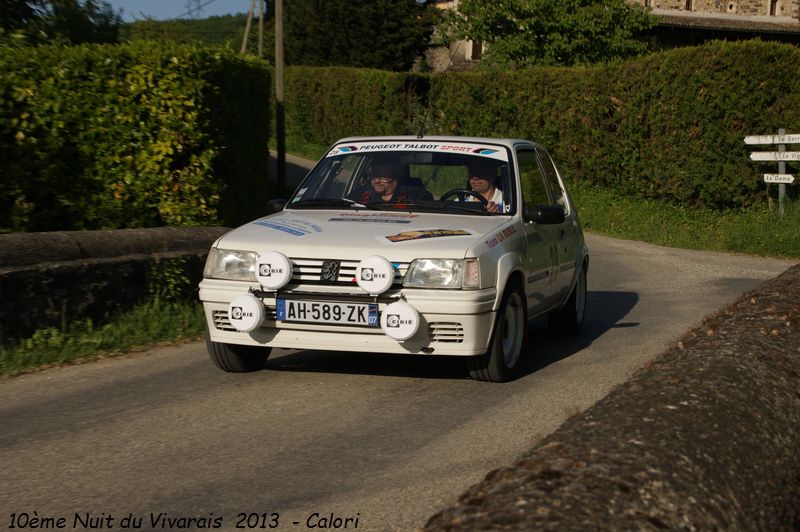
<point x="330" y="271"/>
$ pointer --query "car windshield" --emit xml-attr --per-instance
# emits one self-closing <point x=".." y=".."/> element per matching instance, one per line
<point x="444" y="177"/>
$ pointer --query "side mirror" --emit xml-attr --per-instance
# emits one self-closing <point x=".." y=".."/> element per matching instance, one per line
<point x="545" y="214"/>
<point x="275" y="205"/>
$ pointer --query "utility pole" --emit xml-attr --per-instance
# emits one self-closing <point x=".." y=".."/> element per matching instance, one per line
<point x="280" y="119"/>
<point x="247" y="25"/>
<point x="261" y="28"/>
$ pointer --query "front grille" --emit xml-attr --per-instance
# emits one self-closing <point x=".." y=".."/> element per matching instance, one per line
<point x="446" y="332"/>
<point x="221" y="321"/>
<point x="442" y="332"/>
<point x="309" y="271"/>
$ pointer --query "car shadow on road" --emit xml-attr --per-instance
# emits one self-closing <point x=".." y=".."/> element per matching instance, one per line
<point x="605" y="310"/>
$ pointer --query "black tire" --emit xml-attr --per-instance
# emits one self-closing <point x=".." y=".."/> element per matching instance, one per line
<point x="502" y="361"/>
<point x="237" y="358"/>
<point x="569" y="320"/>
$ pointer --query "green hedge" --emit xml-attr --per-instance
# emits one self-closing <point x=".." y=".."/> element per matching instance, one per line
<point x="327" y="103"/>
<point x="140" y="135"/>
<point x="667" y="126"/>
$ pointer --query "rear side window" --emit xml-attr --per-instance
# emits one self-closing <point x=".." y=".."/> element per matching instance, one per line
<point x="551" y="176"/>
<point x="534" y="191"/>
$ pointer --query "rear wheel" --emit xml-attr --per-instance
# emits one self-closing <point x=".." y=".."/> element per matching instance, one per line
<point x="502" y="360"/>
<point x="237" y="358"/>
<point x="569" y="320"/>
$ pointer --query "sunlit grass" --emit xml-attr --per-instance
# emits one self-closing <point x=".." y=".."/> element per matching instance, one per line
<point x="149" y="323"/>
<point x="755" y="230"/>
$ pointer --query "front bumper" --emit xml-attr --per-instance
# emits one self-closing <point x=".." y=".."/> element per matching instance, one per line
<point x="452" y="322"/>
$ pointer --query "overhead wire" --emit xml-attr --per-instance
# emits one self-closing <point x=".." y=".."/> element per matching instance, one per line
<point x="198" y="8"/>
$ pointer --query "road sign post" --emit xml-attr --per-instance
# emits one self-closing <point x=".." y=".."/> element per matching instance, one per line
<point x="780" y="156"/>
<point x="787" y="179"/>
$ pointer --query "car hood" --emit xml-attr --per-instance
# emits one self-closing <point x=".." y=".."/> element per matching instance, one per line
<point x="354" y="234"/>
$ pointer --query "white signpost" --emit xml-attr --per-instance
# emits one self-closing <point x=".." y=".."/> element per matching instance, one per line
<point x="779" y="178"/>
<point x="780" y="156"/>
<point x="772" y="139"/>
<point x="775" y="156"/>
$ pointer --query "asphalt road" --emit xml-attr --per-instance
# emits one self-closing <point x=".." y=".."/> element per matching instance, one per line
<point x="385" y="440"/>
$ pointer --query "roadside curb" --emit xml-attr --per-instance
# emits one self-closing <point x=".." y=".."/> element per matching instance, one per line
<point x="707" y="436"/>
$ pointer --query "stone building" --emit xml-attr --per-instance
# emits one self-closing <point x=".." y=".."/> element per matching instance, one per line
<point x="765" y="8"/>
<point x="460" y="55"/>
<point x="679" y="23"/>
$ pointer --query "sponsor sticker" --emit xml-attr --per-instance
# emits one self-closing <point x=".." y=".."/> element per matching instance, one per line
<point x="407" y="236"/>
<point x="293" y="227"/>
<point x="444" y="147"/>
<point x="501" y="235"/>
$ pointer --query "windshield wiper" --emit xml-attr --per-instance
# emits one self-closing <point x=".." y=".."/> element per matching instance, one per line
<point x="427" y="205"/>
<point x="464" y="208"/>
<point x="324" y="203"/>
<point x="402" y="204"/>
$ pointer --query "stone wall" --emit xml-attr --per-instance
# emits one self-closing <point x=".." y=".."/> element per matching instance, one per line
<point x="784" y="8"/>
<point x="47" y="279"/>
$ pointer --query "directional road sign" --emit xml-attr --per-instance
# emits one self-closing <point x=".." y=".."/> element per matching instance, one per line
<point x="772" y="139"/>
<point x="775" y="156"/>
<point x="778" y="178"/>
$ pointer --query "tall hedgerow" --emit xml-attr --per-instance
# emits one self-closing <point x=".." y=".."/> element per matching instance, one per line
<point x="138" y="135"/>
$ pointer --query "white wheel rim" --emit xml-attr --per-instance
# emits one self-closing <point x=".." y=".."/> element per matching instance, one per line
<point x="512" y="330"/>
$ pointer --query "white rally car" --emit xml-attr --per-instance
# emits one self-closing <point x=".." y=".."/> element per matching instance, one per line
<point x="435" y="245"/>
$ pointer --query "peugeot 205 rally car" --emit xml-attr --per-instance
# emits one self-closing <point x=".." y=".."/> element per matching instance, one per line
<point x="435" y="245"/>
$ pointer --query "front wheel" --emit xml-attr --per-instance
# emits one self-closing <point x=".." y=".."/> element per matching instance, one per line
<point x="502" y="360"/>
<point x="237" y="358"/>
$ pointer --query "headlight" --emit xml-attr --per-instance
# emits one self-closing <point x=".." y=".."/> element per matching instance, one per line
<point x="443" y="273"/>
<point x="231" y="264"/>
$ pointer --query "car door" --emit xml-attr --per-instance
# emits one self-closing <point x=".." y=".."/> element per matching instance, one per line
<point x="565" y="234"/>
<point x="539" y="256"/>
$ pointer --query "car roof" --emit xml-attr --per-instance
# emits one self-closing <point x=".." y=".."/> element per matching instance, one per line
<point x="508" y="142"/>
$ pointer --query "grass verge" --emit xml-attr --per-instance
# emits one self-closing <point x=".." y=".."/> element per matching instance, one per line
<point x="149" y="323"/>
<point x="755" y="230"/>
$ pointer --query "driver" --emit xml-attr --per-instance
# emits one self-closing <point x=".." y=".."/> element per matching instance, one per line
<point x="386" y="186"/>
<point x="482" y="173"/>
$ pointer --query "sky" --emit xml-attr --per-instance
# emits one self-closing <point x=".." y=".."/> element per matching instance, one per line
<point x="167" y="9"/>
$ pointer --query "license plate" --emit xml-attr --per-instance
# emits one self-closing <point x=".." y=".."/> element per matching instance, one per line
<point x="364" y="314"/>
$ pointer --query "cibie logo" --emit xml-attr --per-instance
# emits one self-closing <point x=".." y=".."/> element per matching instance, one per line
<point x="393" y="320"/>
<point x="369" y="274"/>
<point x="266" y="270"/>
<point x="238" y="313"/>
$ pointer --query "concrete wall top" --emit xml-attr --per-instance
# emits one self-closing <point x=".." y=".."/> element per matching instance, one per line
<point x="18" y="249"/>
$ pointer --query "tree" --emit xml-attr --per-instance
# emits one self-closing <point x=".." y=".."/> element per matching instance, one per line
<point x="385" y="34"/>
<point x="224" y="31"/>
<point x="92" y="21"/>
<point x="65" y="21"/>
<point x="552" y="32"/>
<point x="18" y="14"/>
